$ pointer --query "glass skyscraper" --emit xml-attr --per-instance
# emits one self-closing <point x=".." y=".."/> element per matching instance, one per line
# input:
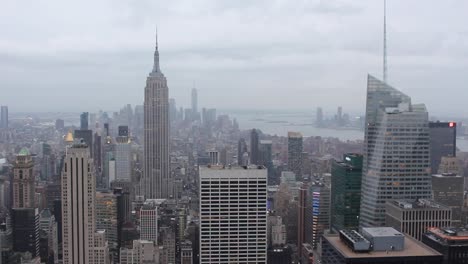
<point x="396" y="151"/>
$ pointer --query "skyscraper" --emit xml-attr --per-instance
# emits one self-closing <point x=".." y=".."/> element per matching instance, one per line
<point x="23" y="181"/>
<point x="194" y="102"/>
<point x="295" y="153"/>
<point x="241" y="150"/>
<point x="319" y="118"/>
<point x="84" y="117"/>
<point x="149" y="221"/>
<point x="157" y="178"/>
<point x="254" y="148"/>
<point x="396" y="151"/>
<point x="443" y="136"/>
<point x="78" y="208"/>
<point x="233" y="214"/>
<point x="346" y="177"/>
<point x="123" y="154"/>
<point x="4" y="117"/>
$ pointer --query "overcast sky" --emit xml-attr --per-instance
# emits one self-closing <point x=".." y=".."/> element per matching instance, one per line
<point x="267" y="54"/>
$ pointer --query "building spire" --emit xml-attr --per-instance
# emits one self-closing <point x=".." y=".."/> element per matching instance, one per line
<point x="156" y="55"/>
<point x="385" y="43"/>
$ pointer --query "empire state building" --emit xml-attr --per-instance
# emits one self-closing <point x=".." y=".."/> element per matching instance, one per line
<point x="157" y="179"/>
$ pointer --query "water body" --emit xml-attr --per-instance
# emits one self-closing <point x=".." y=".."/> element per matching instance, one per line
<point x="281" y="122"/>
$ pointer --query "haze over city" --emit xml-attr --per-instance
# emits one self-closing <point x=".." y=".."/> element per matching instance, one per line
<point x="292" y="54"/>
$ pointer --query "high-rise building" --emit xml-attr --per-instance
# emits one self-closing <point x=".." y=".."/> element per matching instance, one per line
<point x="451" y="242"/>
<point x="295" y="153"/>
<point x="233" y="214"/>
<point x="396" y="151"/>
<point x="241" y="150"/>
<point x="317" y="214"/>
<point x="48" y="225"/>
<point x="23" y="181"/>
<point x="87" y="136"/>
<point x="149" y="221"/>
<point x="123" y="155"/>
<point x="106" y="216"/>
<point x="59" y="124"/>
<point x="443" y="142"/>
<point x="214" y="157"/>
<point x="194" y="101"/>
<point x="301" y="217"/>
<point x="319" y="118"/>
<point x="186" y="252"/>
<point x="25" y="225"/>
<point x="157" y="178"/>
<point x="80" y="239"/>
<point x="448" y="189"/>
<point x="142" y="252"/>
<point x="254" y="148"/>
<point x="4" y="117"/>
<point x="414" y="217"/>
<point x="346" y="179"/>
<point x="84" y="118"/>
<point x="382" y="245"/>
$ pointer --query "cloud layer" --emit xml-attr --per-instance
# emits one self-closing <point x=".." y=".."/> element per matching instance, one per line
<point x="279" y="54"/>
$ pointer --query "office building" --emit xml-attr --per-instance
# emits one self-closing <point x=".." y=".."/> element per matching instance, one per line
<point x="194" y="102"/>
<point x="81" y="243"/>
<point x="317" y="212"/>
<point x="254" y="148"/>
<point x="448" y="189"/>
<point x="25" y="226"/>
<point x="214" y="157"/>
<point x="107" y="216"/>
<point x="23" y="181"/>
<point x="414" y="217"/>
<point x="123" y="155"/>
<point x="381" y="245"/>
<point x="149" y="221"/>
<point x="443" y="142"/>
<point x="87" y="136"/>
<point x="295" y="153"/>
<point x="319" y="117"/>
<point x="346" y="176"/>
<point x="450" y="165"/>
<point x="452" y="243"/>
<point x="241" y="150"/>
<point x="59" y="124"/>
<point x="186" y="252"/>
<point x="396" y="161"/>
<point x="233" y="214"/>
<point x="157" y="178"/>
<point x="142" y="252"/>
<point x="4" y="117"/>
<point x="48" y="225"/>
<point x="84" y="118"/>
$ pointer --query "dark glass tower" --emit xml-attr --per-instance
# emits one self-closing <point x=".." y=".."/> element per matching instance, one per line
<point x="254" y="148"/>
<point x="443" y="142"/>
<point x="346" y="179"/>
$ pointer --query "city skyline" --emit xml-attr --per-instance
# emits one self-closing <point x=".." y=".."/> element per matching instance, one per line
<point x="220" y="63"/>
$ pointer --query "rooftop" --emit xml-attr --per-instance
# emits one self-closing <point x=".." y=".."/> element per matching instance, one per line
<point x="294" y="135"/>
<point x="233" y="167"/>
<point x="412" y="248"/>
<point x="447" y="175"/>
<point x="382" y="231"/>
<point x="418" y="204"/>
<point x="449" y="234"/>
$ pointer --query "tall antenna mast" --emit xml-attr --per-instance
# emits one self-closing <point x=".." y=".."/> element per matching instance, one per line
<point x="385" y="43"/>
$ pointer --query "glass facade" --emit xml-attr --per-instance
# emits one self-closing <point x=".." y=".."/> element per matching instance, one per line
<point x="346" y="179"/>
<point x="396" y="151"/>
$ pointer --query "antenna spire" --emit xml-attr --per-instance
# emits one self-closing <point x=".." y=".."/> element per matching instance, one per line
<point x="156" y="55"/>
<point x="385" y="43"/>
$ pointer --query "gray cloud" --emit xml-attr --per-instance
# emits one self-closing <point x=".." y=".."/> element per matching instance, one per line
<point x="89" y="55"/>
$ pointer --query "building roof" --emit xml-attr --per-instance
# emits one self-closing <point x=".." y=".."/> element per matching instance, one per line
<point x="24" y="152"/>
<point x="382" y="231"/>
<point x="294" y="135"/>
<point x="418" y="204"/>
<point x="412" y="248"/>
<point x="69" y="137"/>
<point x="449" y="234"/>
